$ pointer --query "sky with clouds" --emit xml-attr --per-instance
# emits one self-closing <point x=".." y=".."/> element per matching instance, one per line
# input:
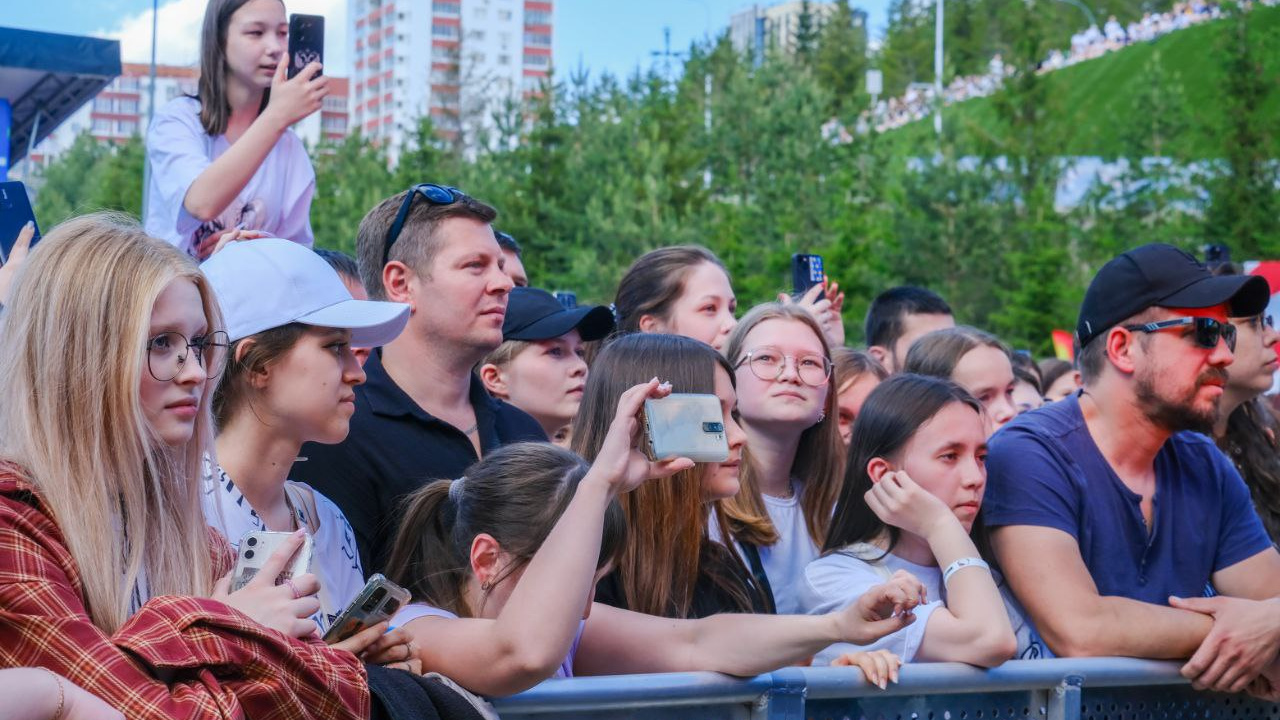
<point x="615" y="36"/>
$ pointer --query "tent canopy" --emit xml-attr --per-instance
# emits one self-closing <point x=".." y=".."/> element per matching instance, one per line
<point x="48" y="76"/>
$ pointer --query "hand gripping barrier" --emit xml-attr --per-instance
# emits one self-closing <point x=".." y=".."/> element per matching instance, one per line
<point x="1059" y="689"/>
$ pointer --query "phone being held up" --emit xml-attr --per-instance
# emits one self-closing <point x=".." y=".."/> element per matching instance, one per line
<point x="15" y="212"/>
<point x="685" y="425"/>
<point x="306" y="42"/>
<point x="806" y="271"/>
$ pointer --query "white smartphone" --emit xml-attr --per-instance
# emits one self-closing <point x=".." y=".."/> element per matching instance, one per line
<point x="258" y="545"/>
<point x="685" y="425"/>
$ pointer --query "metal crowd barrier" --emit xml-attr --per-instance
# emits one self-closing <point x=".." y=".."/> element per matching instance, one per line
<point x="1058" y="689"/>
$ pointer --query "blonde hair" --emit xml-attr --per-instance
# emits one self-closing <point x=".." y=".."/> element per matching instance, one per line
<point x="820" y="457"/>
<point x="72" y="353"/>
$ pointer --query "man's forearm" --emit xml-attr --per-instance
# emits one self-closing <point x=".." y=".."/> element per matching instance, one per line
<point x="1120" y="626"/>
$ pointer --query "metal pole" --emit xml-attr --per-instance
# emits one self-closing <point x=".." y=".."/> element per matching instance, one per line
<point x="937" y="70"/>
<point x="706" y="124"/>
<point x="151" y="104"/>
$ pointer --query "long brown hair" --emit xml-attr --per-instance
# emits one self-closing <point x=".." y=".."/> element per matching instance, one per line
<point x="655" y="281"/>
<point x="72" y="360"/>
<point x="517" y="494"/>
<point x="820" y="457"/>
<point x="669" y="518"/>
<point x="211" y="89"/>
<point x="1251" y="443"/>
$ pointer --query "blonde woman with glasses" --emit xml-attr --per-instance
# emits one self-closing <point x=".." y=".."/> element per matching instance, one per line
<point x="794" y="457"/>
<point x="108" y="574"/>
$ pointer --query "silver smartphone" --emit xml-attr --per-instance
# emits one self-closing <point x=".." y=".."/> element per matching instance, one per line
<point x="685" y="425"/>
<point x="378" y="601"/>
<point x="258" y="545"/>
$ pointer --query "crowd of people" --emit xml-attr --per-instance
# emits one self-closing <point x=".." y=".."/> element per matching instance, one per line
<point x="918" y="101"/>
<point x="423" y="411"/>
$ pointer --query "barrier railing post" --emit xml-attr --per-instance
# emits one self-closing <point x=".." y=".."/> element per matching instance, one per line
<point x="1065" y="699"/>
<point x="784" y="700"/>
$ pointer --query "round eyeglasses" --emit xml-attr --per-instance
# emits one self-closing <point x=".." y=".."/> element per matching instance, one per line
<point x="769" y="364"/>
<point x="168" y="352"/>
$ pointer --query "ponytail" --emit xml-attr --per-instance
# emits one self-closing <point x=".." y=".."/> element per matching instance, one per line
<point x="425" y="558"/>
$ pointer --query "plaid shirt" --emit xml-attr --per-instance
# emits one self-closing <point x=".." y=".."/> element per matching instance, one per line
<point x="177" y="657"/>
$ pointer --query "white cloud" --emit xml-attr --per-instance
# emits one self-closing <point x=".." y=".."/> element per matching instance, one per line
<point x="178" y="36"/>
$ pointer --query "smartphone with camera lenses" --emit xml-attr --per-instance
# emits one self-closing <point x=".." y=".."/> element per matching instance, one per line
<point x="257" y="546"/>
<point x="685" y="425"/>
<point x="15" y="212"/>
<point x="306" y="42"/>
<point x="379" y="600"/>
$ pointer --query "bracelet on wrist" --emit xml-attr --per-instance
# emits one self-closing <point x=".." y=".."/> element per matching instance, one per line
<point x="961" y="564"/>
<point x="62" y="693"/>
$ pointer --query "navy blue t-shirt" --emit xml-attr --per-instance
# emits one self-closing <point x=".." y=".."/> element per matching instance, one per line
<point x="1044" y="469"/>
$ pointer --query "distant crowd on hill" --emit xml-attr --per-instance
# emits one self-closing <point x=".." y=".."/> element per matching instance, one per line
<point x="918" y="101"/>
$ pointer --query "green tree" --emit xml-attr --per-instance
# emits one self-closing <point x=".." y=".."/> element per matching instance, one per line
<point x="840" y="64"/>
<point x="351" y="178"/>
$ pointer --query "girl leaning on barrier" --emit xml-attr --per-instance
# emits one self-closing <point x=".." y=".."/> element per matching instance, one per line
<point x="502" y="564"/>
<point x="910" y="503"/>
<point x="107" y="570"/>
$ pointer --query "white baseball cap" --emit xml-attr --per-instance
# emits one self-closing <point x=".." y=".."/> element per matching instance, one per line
<point x="270" y="282"/>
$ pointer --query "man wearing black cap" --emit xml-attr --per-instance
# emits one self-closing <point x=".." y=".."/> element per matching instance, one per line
<point x="1109" y="508"/>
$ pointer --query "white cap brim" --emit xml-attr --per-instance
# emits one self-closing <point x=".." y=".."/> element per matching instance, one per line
<point x="373" y="323"/>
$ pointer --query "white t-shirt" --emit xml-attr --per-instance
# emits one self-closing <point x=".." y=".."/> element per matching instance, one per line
<point x="277" y="199"/>
<point x="838" y="579"/>
<point x="784" y="561"/>
<point x="334" y="561"/>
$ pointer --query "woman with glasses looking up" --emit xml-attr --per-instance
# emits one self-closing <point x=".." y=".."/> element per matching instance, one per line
<point x="108" y="574"/>
<point x="794" y="456"/>
<point x="224" y="163"/>
<point x="1246" y="429"/>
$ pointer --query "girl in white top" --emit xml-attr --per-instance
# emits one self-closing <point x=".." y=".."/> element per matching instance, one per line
<point x="909" y="504"/>
<point x="225" y="165"/>
<point x="794" y="456"/>
<point x="502" y="565"/>
<point x="289" y="380"/>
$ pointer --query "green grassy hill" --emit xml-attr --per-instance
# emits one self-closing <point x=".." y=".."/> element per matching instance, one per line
<point x="1094" y="100"/>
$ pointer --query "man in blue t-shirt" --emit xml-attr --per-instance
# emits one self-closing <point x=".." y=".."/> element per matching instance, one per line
<point x="1112" y="516"/>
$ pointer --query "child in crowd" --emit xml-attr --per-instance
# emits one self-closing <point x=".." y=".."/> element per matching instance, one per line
<point x="976" y="361"/>
<point x="107" y="573"/>
<point x="910" y="502"/>
<point x="679" y="571"/>
<point x="794" y="458"/>
<point x="225" y="164"/>
<point x="540" y="367"/>
<point x="289" y="380"/>
<point x="858" y="373"/>
<point x="503" y="561"/>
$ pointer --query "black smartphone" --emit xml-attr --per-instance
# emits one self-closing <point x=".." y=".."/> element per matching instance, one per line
<point x="568" y="300"/>
<point x="306" y="42"/>
<point x="806" y="271"/>
<point x="15" y="211"/>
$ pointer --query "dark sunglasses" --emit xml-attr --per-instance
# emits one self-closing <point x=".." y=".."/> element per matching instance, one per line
<point x="1207" y="330"/>
<point x="432" y="193"/>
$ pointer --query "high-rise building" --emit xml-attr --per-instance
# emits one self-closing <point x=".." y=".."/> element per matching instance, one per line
<point x="120" y="110"/>
<point x="456" y="61"/>
<point x="761" y="28"/>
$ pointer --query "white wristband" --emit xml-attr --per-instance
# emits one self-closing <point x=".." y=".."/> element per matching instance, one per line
<point x="961" y="564"/>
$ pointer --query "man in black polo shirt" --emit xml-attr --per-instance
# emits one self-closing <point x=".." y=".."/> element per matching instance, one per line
<point x="421" y="415"/>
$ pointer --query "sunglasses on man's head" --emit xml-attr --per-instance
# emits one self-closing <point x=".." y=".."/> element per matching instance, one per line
<point x="1206" y="333"/>
<point x="432" y="193"/>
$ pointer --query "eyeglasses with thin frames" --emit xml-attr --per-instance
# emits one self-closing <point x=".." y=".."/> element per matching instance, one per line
<point x="432" y="193"/>
<point x="769" y="364"/>
<point x="167" y="353"/>
<point x="1207" y="331"/>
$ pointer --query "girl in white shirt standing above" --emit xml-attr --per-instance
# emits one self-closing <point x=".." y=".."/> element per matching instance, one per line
<point x="225" y="165"/>
<point x="794" y="457"/>
<point x="290" y="379"/>
<point x="910" y="502"/>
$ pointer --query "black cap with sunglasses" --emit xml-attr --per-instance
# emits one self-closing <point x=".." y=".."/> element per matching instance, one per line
<point x="1162" y="275"/>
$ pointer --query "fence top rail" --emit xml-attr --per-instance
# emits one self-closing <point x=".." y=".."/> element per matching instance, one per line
<point x="706" y="688"/>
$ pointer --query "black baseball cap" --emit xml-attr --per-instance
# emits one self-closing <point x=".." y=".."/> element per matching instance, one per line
<point x="1162" y="275"/>
<point x="534" y="314"/>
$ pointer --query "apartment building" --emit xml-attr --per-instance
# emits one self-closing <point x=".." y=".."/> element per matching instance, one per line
<point x="457" y="61"/>
<point x="761" y="28"/>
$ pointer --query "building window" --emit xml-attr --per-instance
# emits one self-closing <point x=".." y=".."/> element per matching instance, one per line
<point x="504" y="59"/>
<point x="537" y="61"/>
<point x="446" y="8"/>
<point x="504" y="14"/>
<point x="445" y="31"/>
<point x="537" y="17"/>
<point x="537" y="38"/>
<point x="445" y="53"/>
<point x="475" y="35"/>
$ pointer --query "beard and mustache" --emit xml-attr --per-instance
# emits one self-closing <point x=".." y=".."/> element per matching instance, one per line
<point x="1177" y="414"/>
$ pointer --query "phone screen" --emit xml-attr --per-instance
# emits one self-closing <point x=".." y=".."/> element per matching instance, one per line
<point x="306" y="42"/>
<point x="15" y="212"/>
